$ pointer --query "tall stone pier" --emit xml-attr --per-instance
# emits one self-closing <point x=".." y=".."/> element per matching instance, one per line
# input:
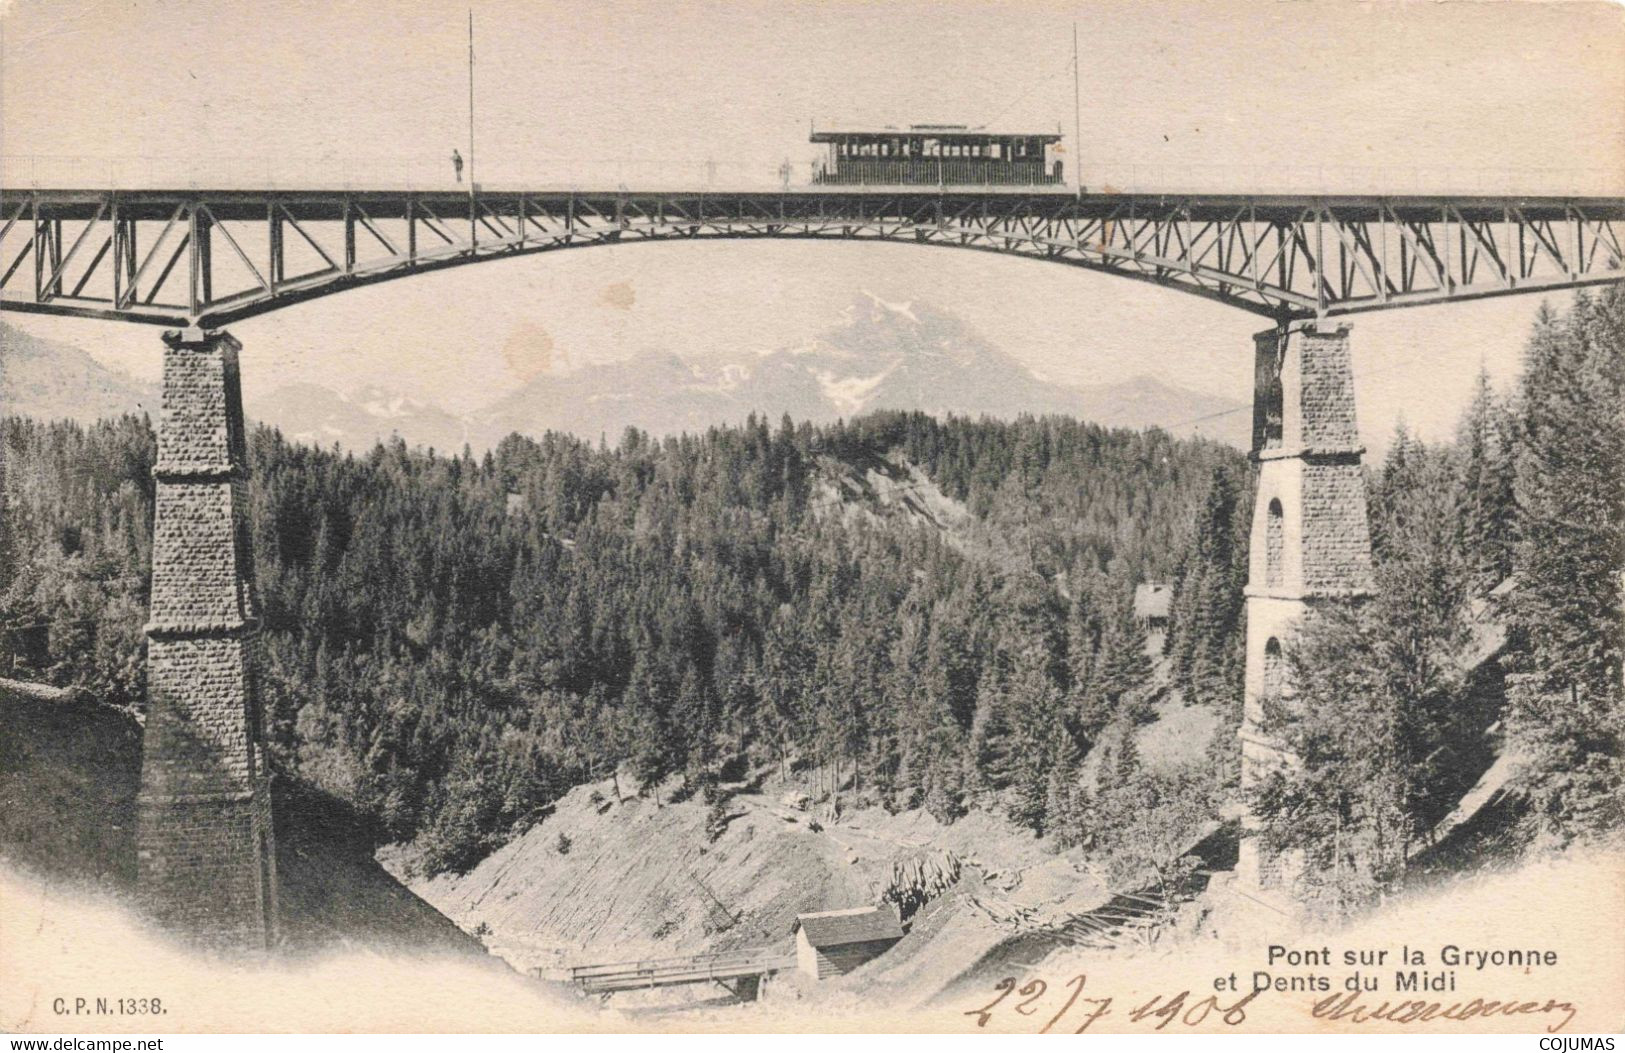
<point x="206" y="854"/>
<point x="1311" y="540"/>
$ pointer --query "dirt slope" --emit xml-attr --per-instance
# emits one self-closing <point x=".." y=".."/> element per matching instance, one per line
<point x="890" y="487"/>
<point x="641" y="879"/>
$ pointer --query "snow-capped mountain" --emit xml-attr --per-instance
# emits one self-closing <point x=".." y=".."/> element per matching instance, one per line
<point x="314" y="414"/>
<point x="905" y="356"/>
<point x="879" y="355"/>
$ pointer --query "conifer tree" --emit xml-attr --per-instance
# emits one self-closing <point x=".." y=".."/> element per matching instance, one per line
<point x="1207" y="627"/>
<point x="1342" y="803"/>
<point x="1488" y="507"/>
<point x="1124" y="668"/>
<point x="1568" y="702"/>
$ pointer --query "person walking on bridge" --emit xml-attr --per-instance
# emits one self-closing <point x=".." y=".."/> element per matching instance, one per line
<point x="457" y="164"/>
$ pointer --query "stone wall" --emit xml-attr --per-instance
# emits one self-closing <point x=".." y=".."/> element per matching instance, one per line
<point x="198" y="737"/>
<point x="197" y="580"/>
<point x="1325" y="396"/>
<point x="204" y="866"/>
<point x="1336" y="541"/>
<point x="205" y="844"/>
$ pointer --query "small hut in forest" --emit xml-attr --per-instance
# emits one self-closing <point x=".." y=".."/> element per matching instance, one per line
<point x="834" y="942"/>
<point x="1152" y="601"/>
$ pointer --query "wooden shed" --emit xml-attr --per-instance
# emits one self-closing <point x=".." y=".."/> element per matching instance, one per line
<point x="1152" y="601"/>
<point x="834" y="942"/>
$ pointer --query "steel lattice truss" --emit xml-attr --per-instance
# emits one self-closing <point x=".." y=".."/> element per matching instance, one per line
<point x="208" y="258"/>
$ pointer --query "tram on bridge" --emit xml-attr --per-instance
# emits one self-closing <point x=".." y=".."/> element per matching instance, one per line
<point x="937" y="155"/>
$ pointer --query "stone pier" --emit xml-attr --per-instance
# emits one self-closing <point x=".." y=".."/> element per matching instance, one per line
<point x="1311" y="540"/>
<point x="206" y="854"/>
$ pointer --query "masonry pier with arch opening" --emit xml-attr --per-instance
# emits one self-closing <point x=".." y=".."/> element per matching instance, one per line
<point x="1310" y="546"/>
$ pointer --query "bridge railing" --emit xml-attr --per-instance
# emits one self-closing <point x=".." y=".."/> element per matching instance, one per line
<point x="60" y="171"/>
<point x="1381" y="181"/>
<point x="679" y="963"/>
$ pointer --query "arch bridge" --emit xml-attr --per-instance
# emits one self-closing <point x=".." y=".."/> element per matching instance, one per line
<point x="197" y="260"/>
<point x="209" y="258"/>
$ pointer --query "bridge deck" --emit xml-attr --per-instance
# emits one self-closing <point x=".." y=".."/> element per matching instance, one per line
<point x="319" y="202"/>
<point x="668" y="972"/>
<point x="208" y="258"/>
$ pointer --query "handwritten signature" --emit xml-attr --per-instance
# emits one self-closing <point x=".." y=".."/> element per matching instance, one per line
<point x="1349" y="1007"/>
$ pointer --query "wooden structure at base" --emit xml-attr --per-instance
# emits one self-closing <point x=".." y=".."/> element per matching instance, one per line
<point x="1153" y="602"/>
<point x="834" y="942"/>
<point x="740" y="972"/>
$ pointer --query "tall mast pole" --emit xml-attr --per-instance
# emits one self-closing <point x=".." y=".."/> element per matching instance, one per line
<point x="1077" y="117"/>
<point x="471" y="97"/>
<point x="473" y="217"/>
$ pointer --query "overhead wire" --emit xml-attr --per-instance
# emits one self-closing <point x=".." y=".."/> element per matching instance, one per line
<point x="1066" y="67"/>
<point x="1367" y="375"/>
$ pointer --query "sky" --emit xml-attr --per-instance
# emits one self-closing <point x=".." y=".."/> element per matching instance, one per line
<point x="1322" y="92"/>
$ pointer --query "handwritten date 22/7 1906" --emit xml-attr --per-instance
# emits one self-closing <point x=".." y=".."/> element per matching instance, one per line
<point x="1079" y="1013"/>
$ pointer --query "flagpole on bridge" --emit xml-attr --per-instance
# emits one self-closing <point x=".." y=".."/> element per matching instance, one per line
<point x="473" y="219"/>
<point x="1077" y="118"/>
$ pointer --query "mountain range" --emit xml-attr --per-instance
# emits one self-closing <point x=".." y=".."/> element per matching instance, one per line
<point x="877" y="355"/>
<point x="51" y="380"/>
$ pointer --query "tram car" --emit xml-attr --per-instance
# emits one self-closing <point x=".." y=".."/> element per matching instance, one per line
<point x="937" y="155"/>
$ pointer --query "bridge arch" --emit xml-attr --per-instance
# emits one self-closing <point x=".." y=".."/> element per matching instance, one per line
<point x="209" y="258"/>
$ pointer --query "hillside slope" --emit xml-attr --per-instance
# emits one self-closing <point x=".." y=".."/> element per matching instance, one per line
<point x="641" y="880"/>
<point x="53" y="380"/>
<point x="70" y="768"/>
<point x="69" y="771"/>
